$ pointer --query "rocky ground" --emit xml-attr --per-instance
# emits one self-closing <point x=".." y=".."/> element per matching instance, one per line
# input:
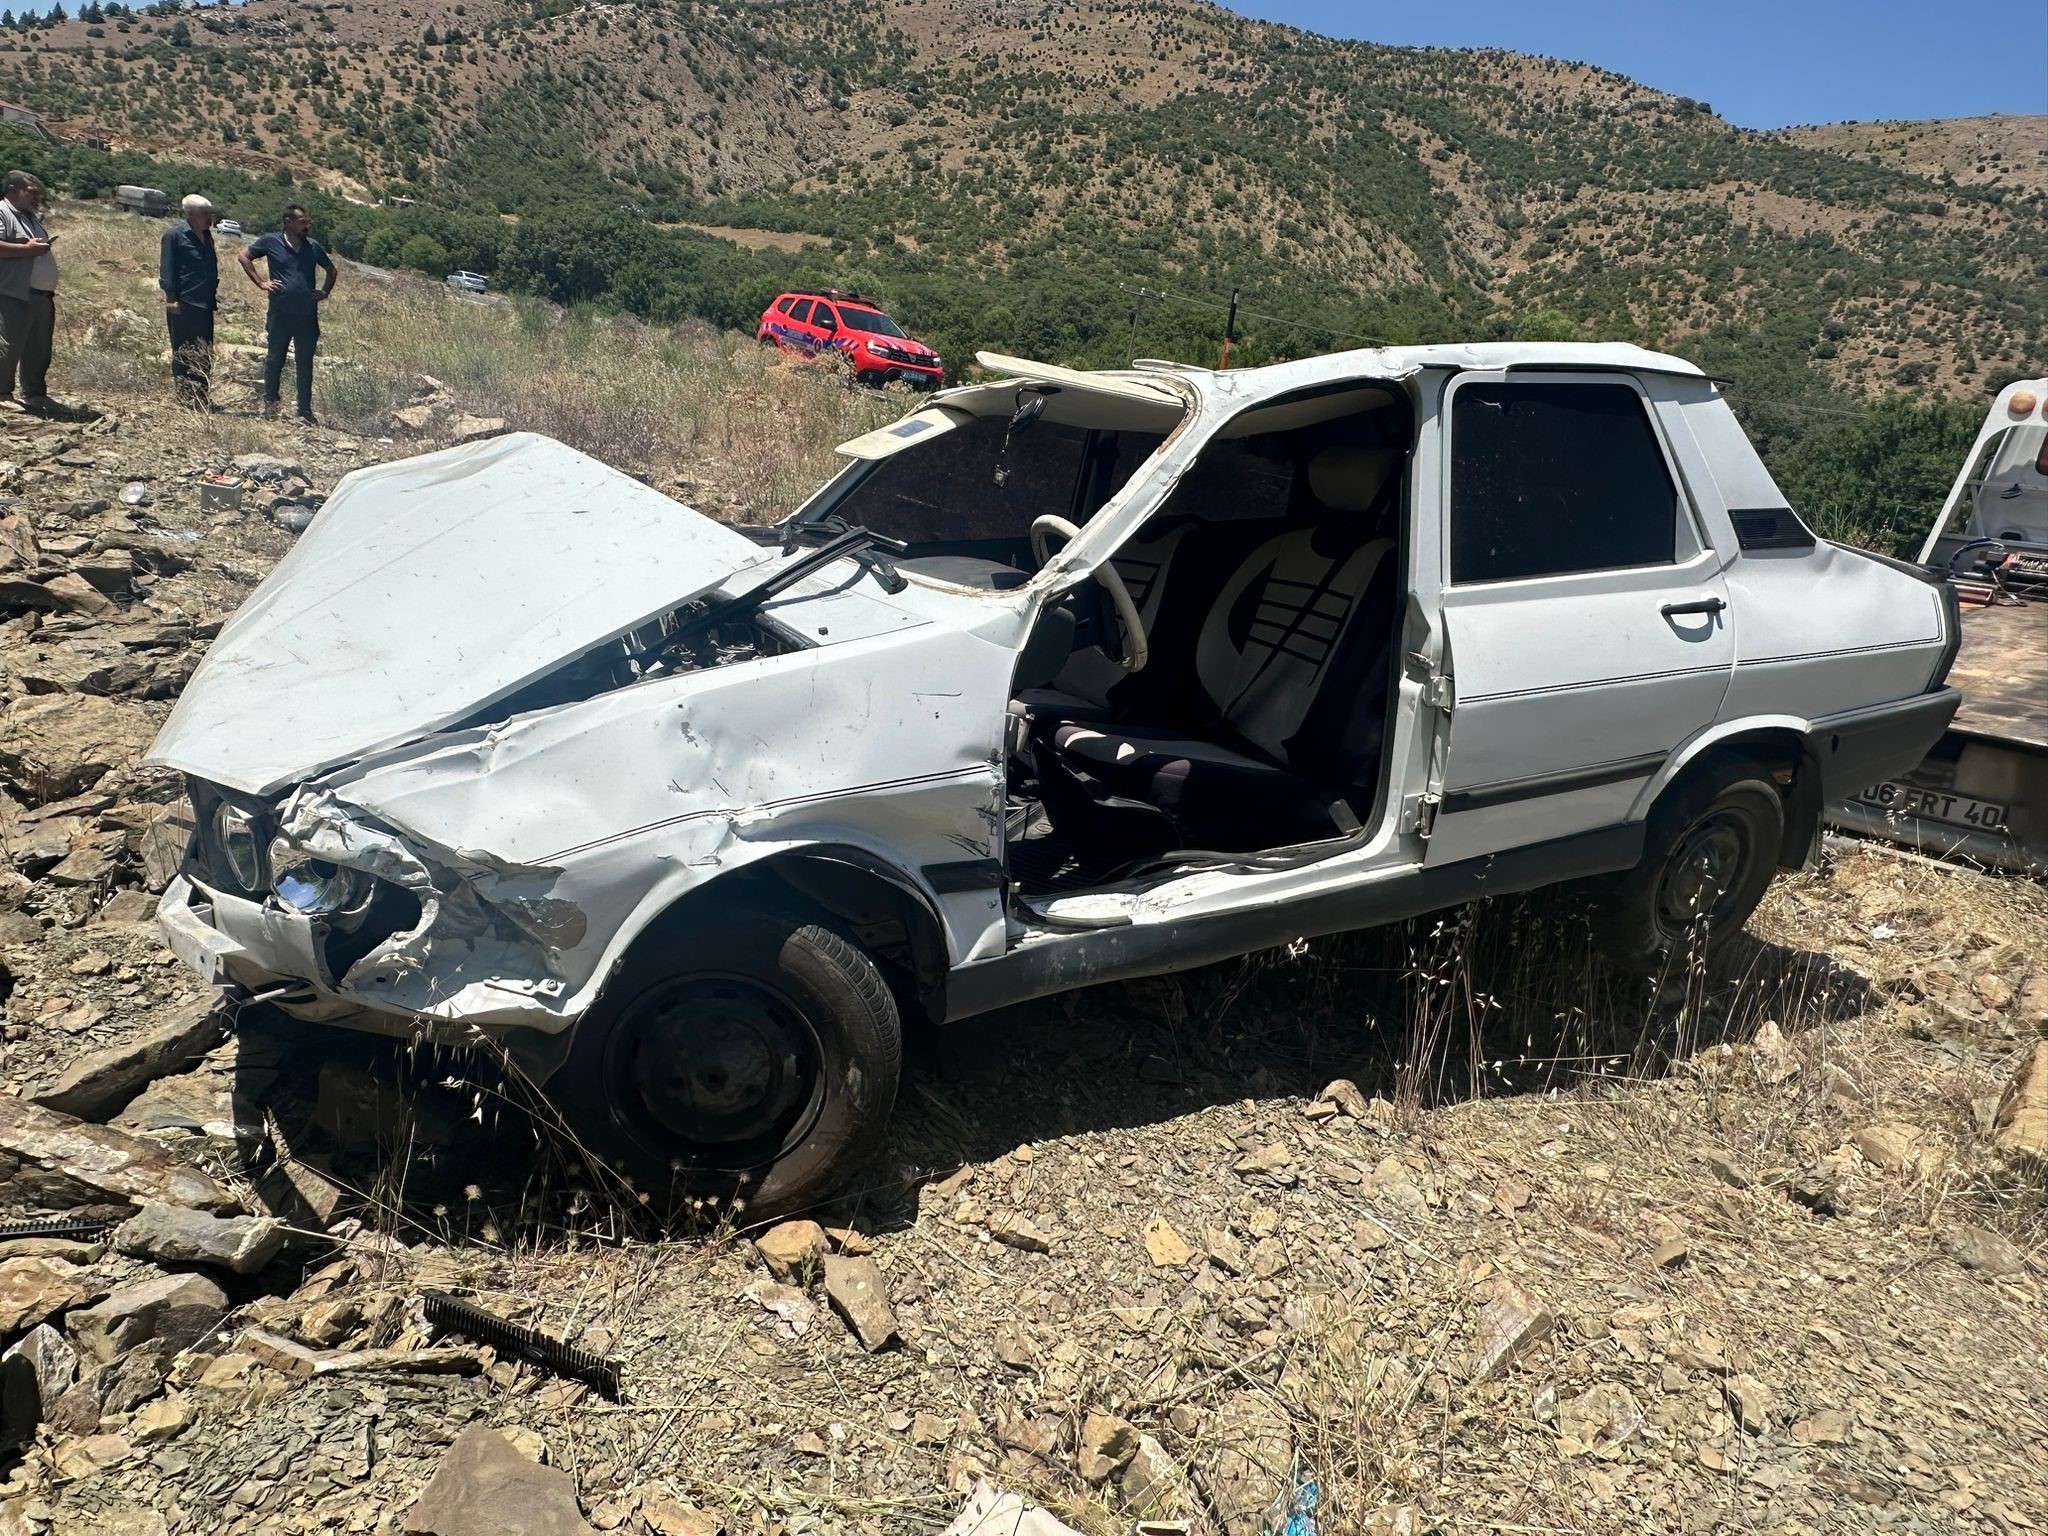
<point x="1447" y="1222"/>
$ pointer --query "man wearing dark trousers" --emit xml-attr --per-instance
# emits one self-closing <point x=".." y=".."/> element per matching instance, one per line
<point x="294" y="317"/>
<point x="188" y="272"/>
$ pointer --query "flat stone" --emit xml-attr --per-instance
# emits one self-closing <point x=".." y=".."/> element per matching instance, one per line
<point x="1750" y="1401"/>
<point x="163" y="1419"/>
<point x="1602" y="1419"/>
<point x="858" y="1293"/>
<point x="90" y="865"/>
<point x="1893" y="1146"/>
<point x="484" y="1487"/>
<point x="1165" y="1247"/>
<point x="1107" y="1445"/>
<point x="1982" y="1249"/>
<point x="33" y="1290"/>
<point x="48" y="1366"/>
<point x="1225" y="1251"/>
<point x="440" y="1360"/>
<point x="178" y="1309"/>
<point x="299" y="1194"/>
<point x="2020" y="1128"/>
<point x="267" y="467"/>
<point x="97" y="1085"/>
<point x="664" y="1516"/>
<point x="1252" y="1459"/>
<point x="791" y="1247"/>
<point x="1509" y="1325"/>
<point x="1153" y="1484"/>
<point x="52" y="1162"/>
<point x="1830" y="1426"/>
<point x="53" y="745"/>
<point x="278" y="1352"/>
<point x="90" y="1455"/>
<point x="1013" y="1229"/>
<point x="175" y="1234"/>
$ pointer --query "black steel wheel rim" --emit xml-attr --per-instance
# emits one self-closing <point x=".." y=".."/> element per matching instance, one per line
<point x="716" y="1071"/>
<point x="1703" y="872"/>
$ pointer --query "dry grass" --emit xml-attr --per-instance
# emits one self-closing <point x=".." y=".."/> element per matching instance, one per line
<point x="735" y="429"/>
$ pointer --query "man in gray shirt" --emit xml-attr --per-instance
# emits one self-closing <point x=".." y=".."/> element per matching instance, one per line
<point x="28" y="293"/>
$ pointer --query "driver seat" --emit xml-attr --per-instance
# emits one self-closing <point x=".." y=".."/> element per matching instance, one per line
<point x="1271" y="755"/>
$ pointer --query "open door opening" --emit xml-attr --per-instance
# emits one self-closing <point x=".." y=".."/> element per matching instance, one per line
<point x="1266" y="595"/>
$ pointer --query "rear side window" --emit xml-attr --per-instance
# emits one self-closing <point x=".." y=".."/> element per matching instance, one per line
<point x="801" y="310"/>
<point x="1552" y="478"/>
<point x="782" y="305"/>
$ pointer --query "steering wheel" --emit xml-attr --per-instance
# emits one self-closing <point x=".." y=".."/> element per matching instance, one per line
<point x="1135" y="647"/>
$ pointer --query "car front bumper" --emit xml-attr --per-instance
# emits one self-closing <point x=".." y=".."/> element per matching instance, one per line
<point x="266" y="952"/>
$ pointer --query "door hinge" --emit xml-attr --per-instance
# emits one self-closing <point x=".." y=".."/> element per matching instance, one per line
<point x="1436" y="685"/>
<point x="1419" y="814"/>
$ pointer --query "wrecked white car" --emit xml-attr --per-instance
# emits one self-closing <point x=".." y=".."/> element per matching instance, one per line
<point x="1064" y="678"/>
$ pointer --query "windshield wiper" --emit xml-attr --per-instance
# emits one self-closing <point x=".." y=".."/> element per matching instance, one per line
<point x="849" y="542"/>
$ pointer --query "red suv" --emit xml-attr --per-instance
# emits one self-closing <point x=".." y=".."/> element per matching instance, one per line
<point x="822" y="321"/>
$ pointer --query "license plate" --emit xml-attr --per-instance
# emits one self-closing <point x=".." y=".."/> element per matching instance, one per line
<point x="1943" y="805"/>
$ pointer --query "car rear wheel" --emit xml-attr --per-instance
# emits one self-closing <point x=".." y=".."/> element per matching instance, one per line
<point x="1709" y="851"/>
<point x="765" y="1076"/>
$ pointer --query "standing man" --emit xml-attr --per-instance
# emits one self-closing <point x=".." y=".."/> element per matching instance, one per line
<point x="189" y="274"/>
<point x="28" y="294"/>
<point x="294" y="317"/>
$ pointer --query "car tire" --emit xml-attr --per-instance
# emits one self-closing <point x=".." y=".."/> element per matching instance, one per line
<point x="769" y="342"/>
<point x="1709" y="851"/>
<point x="766" y="1078"/>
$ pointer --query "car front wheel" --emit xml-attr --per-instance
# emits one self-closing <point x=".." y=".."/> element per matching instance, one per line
<point x="1709" y="850"/>
<point x="765" y="1075"/>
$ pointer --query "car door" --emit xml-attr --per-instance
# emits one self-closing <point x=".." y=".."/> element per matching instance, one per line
<point x="797" y="327"/>
<point x="825" y="329"/>
<point x="1587" y="630"/>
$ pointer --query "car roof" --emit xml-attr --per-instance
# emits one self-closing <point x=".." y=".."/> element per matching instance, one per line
<point x="1487" y="355"/>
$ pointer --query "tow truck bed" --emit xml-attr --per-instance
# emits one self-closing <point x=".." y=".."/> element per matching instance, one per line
<point x="2002" y="670"/>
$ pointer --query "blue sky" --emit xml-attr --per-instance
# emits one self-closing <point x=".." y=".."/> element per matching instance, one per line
<point x="1761" y="63"/>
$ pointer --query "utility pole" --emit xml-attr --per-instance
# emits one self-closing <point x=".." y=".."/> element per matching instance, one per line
<point x="1229" y="330"/>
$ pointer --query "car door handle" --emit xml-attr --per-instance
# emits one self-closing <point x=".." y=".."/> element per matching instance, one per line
<point x="1698" y="605"/>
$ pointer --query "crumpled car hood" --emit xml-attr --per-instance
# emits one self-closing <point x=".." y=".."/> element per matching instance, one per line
<point x="426" y="590"/>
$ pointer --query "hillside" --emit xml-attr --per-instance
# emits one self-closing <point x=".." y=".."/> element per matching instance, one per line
<point x="1004" y="173"/>
<point x="2008" y="153"/>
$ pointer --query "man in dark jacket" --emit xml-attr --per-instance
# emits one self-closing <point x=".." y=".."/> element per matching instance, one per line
<point x="294" y="316"/>
<point x="188" y="271"/>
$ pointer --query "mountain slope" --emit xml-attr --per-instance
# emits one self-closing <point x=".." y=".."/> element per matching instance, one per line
<point x="1049" y="156"/>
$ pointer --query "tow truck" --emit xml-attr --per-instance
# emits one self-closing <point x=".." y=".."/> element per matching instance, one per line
<point x="1981" y="794"/>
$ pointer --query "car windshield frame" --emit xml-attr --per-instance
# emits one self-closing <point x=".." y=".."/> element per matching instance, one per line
<point x="853" y="317"/>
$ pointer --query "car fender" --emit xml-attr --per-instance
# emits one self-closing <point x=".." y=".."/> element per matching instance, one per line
<point x="1753" y="730"/>
<point x="740" y="860"/>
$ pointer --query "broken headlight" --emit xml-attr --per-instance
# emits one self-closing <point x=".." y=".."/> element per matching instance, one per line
<point x="234" y="835"/>
<point x="315" y="887"/>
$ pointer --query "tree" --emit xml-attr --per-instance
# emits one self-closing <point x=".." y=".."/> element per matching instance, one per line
<point x="385" y="247"/>
<point x="1548" y="325"/>
<point x="1878" y="478"/>
<point x="181" y="35"/>
<point x="423" y="253"/>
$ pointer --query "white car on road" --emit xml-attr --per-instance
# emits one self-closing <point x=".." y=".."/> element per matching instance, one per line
<point x="1065" y="677"/>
